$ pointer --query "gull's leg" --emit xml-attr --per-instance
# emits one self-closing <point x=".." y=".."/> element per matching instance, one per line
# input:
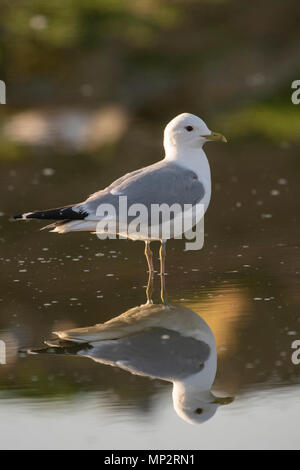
<point x="149" y="257"/>
<point x="162" y="257"/>
<point x="149" y="289"/>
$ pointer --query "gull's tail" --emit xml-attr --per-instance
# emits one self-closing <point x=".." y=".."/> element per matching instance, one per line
<point x="62" y="213"/>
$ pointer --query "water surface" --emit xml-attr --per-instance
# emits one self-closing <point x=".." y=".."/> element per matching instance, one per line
<point x="244" y="284"/>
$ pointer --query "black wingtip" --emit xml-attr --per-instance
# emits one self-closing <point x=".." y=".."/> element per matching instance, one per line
<point x="61" y="213"/>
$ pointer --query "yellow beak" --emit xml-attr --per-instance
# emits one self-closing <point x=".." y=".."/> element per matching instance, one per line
<point x="215" y="136"/>
<point x="223" y="400"/>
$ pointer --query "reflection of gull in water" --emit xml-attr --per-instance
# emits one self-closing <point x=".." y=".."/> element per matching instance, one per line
<point x="169" y="343"/>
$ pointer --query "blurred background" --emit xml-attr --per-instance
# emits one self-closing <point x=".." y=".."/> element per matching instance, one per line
<point x="90" y="86"/>
<point x="81" y="74"/>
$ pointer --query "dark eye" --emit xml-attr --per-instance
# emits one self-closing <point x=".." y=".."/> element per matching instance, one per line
<point x="189" y="128"/>
<point x="199" y="411"/>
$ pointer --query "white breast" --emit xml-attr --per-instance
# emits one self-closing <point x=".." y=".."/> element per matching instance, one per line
<point x="196" y="160"/>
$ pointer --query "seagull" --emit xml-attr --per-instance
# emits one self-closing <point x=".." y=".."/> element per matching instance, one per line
<point x="171" y="343"/>
<point x="181" y="177"/>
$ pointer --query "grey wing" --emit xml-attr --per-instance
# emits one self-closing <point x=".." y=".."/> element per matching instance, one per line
<point x="157" y="352"/>
<point x="162" y="182"/>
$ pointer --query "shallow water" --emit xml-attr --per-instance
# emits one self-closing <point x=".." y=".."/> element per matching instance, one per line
<point x="244" y="284"/>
